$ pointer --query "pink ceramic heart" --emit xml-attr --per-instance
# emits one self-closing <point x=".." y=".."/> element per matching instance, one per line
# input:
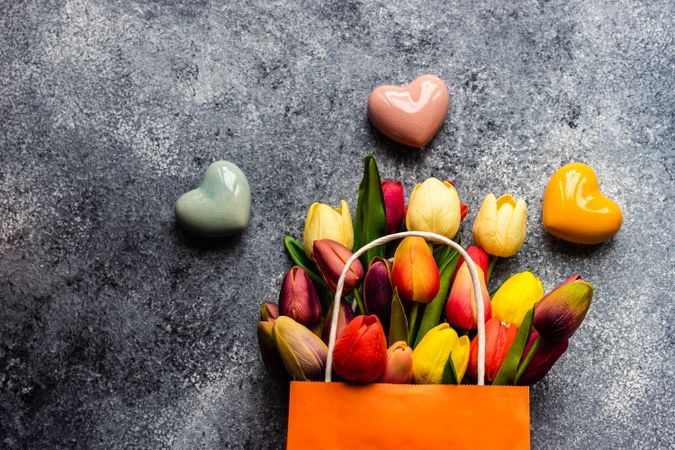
<point x="413" y="114"/>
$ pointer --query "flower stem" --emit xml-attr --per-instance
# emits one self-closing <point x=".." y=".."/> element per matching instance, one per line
<point x="359" y="302"/>
<point x="528" y="359"/>
<point x="491" y="266"/>
<point x="413" y="320"/>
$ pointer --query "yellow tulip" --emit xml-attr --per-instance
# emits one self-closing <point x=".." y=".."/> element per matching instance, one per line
<point x="324" y="222"/>
<point x="515" y="297"/>
<point x="302" y="352"/>
<point x="434" y="206"/>
<point x="460" y="357"/>
<point x="500" y="225"/>
<point x="431" y="355"/>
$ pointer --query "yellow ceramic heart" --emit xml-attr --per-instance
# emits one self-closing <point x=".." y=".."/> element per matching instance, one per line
<point x="574" y="208"/>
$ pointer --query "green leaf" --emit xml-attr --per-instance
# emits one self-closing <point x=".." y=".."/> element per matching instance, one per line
<point x="398" y="325"/>
<point x="444" y="253"/>
<point x="449" y="374"/>
<point x="371" y="221"/>
<point x="507" y="374"/>
<point x="297" y="253"/>
<point x="446" y="262"/>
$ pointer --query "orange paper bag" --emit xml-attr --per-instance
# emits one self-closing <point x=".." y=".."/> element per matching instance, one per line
<point x="336" y="416"/>
<point x="395" y="416"/>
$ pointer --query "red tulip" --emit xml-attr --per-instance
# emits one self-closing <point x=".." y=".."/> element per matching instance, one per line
<point x="545" y="356"/>
<point x="298" y="299"/>
<point x="394" y="204"/>
<point x="463" y="208"/>
<point x="360" y="352"/>
<point x="498" y="340"/>
<point x="460" y="309"/>
<point x="414" y="272"/>
<point x="479" y="257"/>
<point x="330" y="257"/>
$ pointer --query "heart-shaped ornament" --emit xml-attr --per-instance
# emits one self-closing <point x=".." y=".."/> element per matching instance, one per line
<point x="413" y="114"/>
<point x="575" y="210"/>
<point x="220" y="206"/>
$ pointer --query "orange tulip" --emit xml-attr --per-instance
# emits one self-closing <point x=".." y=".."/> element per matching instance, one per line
<point x="498" y="340"/>
<point x="399" y="364"/>
<point x="461" y="307"/>
<point x="414" y="272"/>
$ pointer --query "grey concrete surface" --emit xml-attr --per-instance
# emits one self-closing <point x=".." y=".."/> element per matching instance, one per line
<point x="118" y="330"/>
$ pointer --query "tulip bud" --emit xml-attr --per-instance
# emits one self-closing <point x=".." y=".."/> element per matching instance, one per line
<point x="516" y="297"/>
<point x="345" y="315"/>
<point x="302" y="352"/>
<point x="298" y="299"/>
<point x="330" y="257"/>
<point x="324" y="222"/>
<point x="558" y="315"/>
<point x="394" y="204"/>
<point x="544" y="357"/>
<point x="500" y="225"/>
<point x="269" y="311"/>
<point x="460" y="309"/>
<point x="399" y="364"/>
<point x="431" y="355"/>
<point x="269" y="352"/>
<point x="480" y="259"/>
<point x="414" y="272"/>
<point x="377" y="290"/>
<point x="498" y="340"/>
<point x="360" y="352"/>
<point x="434" y="206"/>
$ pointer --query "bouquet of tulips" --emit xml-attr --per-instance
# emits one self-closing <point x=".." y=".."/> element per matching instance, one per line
<point x="411" y="318"/>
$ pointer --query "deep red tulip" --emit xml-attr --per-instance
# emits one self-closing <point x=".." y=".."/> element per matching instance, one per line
<point x="330" y="257"/>
<point x="545" y="356"/>
<point x="558" y="315"/>
<point x="298" y="299"/>
<point x="377" y="290"/>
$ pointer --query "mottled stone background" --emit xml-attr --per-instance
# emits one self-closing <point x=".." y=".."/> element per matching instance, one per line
<point x="118" y="330"/>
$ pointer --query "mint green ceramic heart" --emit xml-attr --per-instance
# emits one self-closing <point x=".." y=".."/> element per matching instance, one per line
<point x="220" y="206"/>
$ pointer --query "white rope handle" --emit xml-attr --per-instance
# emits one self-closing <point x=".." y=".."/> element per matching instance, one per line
<point x="478" y="295"/>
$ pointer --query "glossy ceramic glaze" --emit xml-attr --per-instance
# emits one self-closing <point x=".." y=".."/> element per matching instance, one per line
<point x="220" y="206"/>
<point x="413" y="114"/>
<point x="575" y="210"/>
